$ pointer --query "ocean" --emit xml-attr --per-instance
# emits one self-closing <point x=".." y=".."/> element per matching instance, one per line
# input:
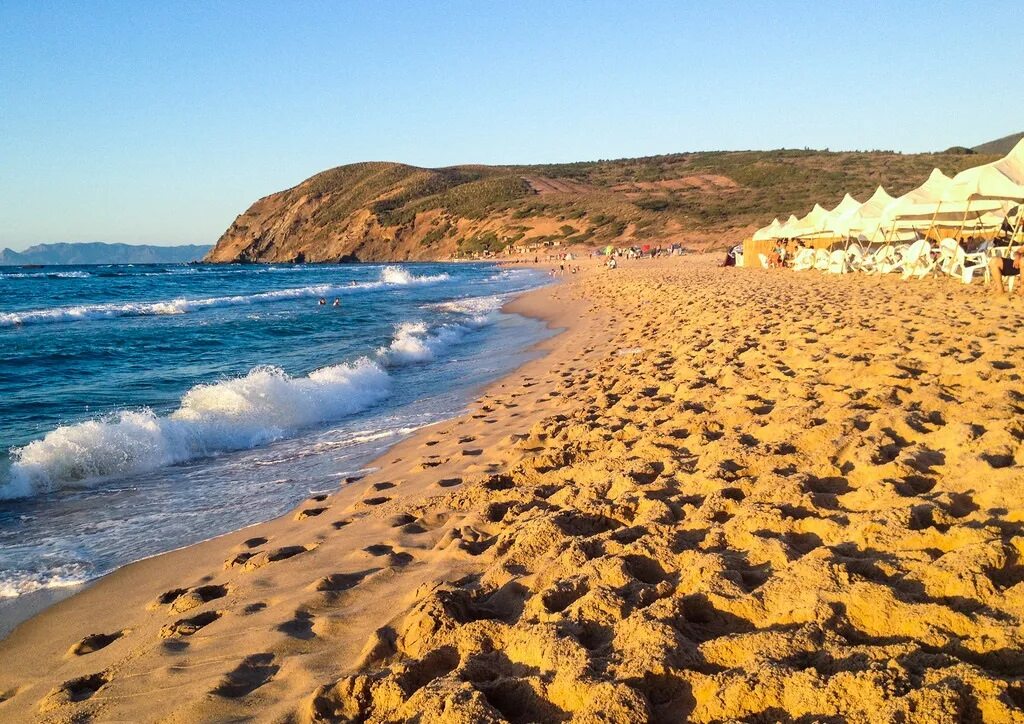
<point x="144" y="408"/>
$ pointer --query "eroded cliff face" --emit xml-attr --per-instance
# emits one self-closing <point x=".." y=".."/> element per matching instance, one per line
<point x="312" y="222"/>
<point x="276" y="230"/>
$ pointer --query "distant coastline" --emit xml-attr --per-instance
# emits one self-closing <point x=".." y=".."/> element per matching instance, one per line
<point x="98" y="252"/>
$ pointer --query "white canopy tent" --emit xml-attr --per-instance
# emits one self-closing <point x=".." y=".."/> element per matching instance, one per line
<point x="766" y="233"/>
<point x="788" y="229"/>
<point x="863" y="223"/>
<point x="814" y="223"/>
<point x="845" y="207"/>
<point x="999" y="181"/>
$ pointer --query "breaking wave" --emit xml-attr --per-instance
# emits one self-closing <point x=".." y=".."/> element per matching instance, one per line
<point x="390" y="276"/>
<point x="265" y="405"/>
<point x="45" y="275"/>
<point x="399" y="275"/>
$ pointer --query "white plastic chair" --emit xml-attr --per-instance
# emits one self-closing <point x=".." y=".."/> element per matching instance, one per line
<point x="803" y="260"/>
<point x="837" y="262"/>
<point x="821" y="259"/>
<point x="917" y="260"/>
<point x="948" y="249"/>
<point x="884" y="261"/>
<point x="965" y="265"/>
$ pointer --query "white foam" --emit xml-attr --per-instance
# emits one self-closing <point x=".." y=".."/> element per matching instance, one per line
<point x="472" y="305"/>
<point x="45" y="275"/>
<point x="264" y="405"/>
<point x="416" y="343"/>
<point x="399" y="275"/>
<point x="388" y="276"/>
<point x="19" y="582"/>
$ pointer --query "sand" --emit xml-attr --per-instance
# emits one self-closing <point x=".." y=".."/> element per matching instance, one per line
<point x="721" y="495"/>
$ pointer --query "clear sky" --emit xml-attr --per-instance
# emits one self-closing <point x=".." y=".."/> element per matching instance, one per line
<point x="159" y="122"/>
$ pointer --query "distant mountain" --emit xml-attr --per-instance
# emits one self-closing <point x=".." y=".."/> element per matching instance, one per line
<point x="1001" y="146"/>
<point x="98" y="252"/>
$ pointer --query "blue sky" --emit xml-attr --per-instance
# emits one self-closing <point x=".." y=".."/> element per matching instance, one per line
<point x="160" y="122"/>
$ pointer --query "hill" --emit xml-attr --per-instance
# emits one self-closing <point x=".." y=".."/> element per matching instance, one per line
<point x="1000" y="146"/>
<point x="392" y="211"/>
<point x="98" y="252"/>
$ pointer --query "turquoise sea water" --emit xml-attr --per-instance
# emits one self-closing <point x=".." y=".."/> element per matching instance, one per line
<point x="221" y="394"/>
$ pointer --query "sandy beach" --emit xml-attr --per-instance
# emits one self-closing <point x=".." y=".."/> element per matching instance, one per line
<point x="718" y="495"/>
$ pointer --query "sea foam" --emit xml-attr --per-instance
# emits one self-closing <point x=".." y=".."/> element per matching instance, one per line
<point x="389" y="276"/>
<point x="264" y="405"/>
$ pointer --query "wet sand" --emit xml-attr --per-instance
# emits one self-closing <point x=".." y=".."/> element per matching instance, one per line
<point x="721" y="494"/>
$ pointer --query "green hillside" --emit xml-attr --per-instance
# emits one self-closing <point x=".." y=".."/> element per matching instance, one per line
<point x="394" y="211"/>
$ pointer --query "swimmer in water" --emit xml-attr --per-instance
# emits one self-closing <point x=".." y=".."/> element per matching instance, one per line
<point x="322" y="301"/>
<point x="337" y="302"/>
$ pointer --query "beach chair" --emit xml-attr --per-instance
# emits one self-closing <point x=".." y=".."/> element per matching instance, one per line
<point x="883" y="261"/>
<point x="803" y="260"/>
<point x="947" y="255"/>
<point x="855" y="258"/>
<point x="917" y="260"/>
<point x="965" y="265"/>
<point x="837" y="262"/>
<point x="821" y="259"/>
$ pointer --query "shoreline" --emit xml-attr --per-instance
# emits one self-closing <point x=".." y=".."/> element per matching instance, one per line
<point x="17" y="611"/>
<point x="720" y="495"/>
<point x="50" y="634"/>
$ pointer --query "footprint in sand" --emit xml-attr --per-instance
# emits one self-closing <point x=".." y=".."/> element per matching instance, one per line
<point x="338" y="582"/>
<point x="188" y="626"/>
<point x="94" y="642"/>
<point x="339" y="524"/>
<point x="253" y="561"/>
<point x="299" y="627"/>
<point x="393" y="558"/>
<point x="309" y="513"/>
<point x="185" y="599"/>
<point x="383" y="486"/>
<point x="379" y="500"/>
<point x="254" y="671"/>
<point x="449" y="482"/>
<point x="74" y="690"/>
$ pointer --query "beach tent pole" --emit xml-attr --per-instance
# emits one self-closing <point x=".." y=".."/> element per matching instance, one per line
<point x="963" y="221"/>
<point x="931" y="226"/>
